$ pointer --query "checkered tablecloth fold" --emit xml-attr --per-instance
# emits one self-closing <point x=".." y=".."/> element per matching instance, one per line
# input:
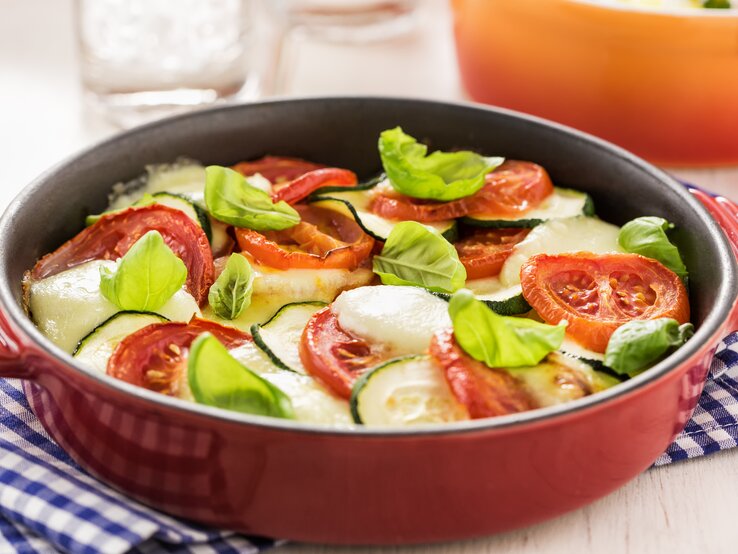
<point x="49" y="504"/>
<point x="714" y="423"/>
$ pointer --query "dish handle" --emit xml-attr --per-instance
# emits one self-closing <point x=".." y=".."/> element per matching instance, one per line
<point x="13" y="361"/>
<point x="725" y="212"/>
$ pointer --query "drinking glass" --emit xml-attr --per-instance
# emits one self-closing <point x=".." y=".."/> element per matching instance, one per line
<point x="142" y="59"/>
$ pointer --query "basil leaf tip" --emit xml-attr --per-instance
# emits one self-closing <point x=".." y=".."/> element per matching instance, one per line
<point x="501" y="341"/>
<point x="146" y="277"/>
<point x="231" y="199"/>
<point x="647" y="236"/>
<point x="230" y="295"/>
<point x="638" y="344"/>
<point x="417" y="255"/>
<point x="217" y="379"/>
<point x="442" y="176"/>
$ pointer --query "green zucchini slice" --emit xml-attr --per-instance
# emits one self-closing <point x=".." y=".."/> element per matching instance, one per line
<point x="355" y="203"/>
<point x="560" y="378"/>
<point x="593" y="359"/>
<point x="279" y="337"/>
<point x="499" y="299"/>
<point x="185" y="176"/>
<point x="562" y="203"/>
<point x="95" y="348"/>
<point x="574" y="350"/>
<point x="405" y="391"/>
<point x="182" y="203"/>
<point x="504" y="301"/>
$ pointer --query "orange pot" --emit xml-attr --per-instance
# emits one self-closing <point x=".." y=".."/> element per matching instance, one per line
<point x="661" y="83"/>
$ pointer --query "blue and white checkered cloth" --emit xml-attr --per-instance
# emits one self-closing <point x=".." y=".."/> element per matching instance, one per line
<point x="49" y="504"/>
<point x="714" y="423"/>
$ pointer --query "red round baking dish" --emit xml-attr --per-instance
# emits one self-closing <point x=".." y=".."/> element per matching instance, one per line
<point x="363" y="486"/>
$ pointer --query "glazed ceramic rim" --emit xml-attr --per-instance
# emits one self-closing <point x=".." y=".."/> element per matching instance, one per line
<point x="724" y="297"/>
<point x="683" y="12"/>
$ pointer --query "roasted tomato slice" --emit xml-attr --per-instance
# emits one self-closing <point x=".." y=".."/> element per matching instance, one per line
<point x="399" y="207"/>
<point x="485" y="250"/>
<point x="334" y="356"/>
<point x="307" y="183"/>
<point x="596" y="293"/>
<point x="485" y="392"/>
<point x="324" y="239"/>
<point x="114" y="234"/>
<point x="277" y="169"/>
<point x="155" y="357"/>
<point x="512" y="189"/>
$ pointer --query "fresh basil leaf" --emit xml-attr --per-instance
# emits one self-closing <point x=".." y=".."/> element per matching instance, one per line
<point x="647" y="236"/>
<point x="146" y="277"/>
<point x="638" y="344"/>
<point x="440" y="176"/>
<point x="501" y="341"/>
<point x="231" y="199"/>
<point x="146" y="200"/>
<point x="231" y="292"/>
<point x="217" y="379"/>
<point x="418" y="255"/>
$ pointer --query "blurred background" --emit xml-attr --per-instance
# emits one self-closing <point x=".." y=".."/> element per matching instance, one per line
<point x="47" y="112"/>
<point x="659" y="77"/>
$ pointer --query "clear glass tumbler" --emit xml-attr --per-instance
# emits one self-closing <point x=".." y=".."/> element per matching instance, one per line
<point x="143" y="59"/>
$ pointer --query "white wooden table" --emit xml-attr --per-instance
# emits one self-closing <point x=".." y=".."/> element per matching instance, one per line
<point x="689" y="507"/>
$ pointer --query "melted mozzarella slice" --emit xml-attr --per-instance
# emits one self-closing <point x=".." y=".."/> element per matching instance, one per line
<point x="254" y="358"/>
<point x="312" y="402"/>
<point x="274" y="288"/>
<point x="401" y="318"/>
<point x="557" y="236"/>
<point x="67" y="306"/>
<point x="407" y="392"/>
